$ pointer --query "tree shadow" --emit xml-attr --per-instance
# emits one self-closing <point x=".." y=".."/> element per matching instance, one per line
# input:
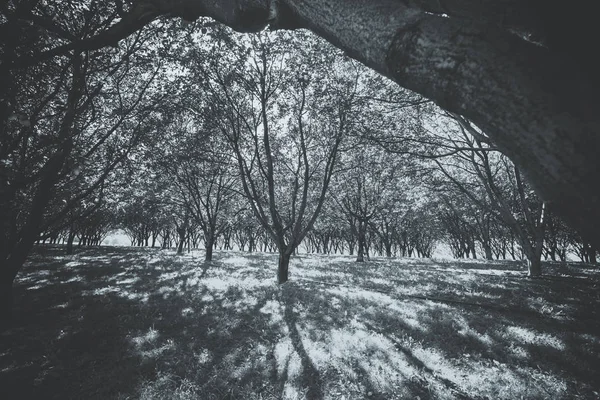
<point x="311" y="378"/>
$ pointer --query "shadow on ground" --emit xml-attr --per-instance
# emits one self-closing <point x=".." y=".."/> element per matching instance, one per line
<point x="119" y="323"/>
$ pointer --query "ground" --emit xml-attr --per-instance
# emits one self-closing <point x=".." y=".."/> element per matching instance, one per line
<point x="124" y="323"/>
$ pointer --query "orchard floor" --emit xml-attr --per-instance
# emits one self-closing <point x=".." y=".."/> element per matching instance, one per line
<point x="125" y="323"/>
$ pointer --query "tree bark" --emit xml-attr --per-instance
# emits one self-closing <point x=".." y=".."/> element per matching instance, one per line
<point x="488" y="252"/>
<point x="208" y="246"/>
<point x="534" y="267"/>
<point x="283" y="267"/>
<point x="70" y="241"/>
<point x="537" y="105"/>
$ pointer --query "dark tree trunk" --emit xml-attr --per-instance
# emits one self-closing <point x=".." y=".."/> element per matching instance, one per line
<point x="208" y="245"/>
<point x="534" y="267"/>
<point x="283" y="267"/>
<point x="488" y="252"/>
<point x="360" y="256"/>
<point x="388" y="250"/>
<point x="70" y="241"/>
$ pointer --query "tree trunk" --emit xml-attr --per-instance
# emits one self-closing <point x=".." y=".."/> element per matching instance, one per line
<point x="360" y="256"/>
<point x="488" y="252"/>
<point x="70" y="241"/>
<point x="208" y="246"/>
<point x="388" y="250"/>
<point x="282" y="268"/>
<point x="534" y="267"/>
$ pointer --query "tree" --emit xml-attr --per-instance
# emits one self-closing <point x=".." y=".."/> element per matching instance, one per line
<point x="520" y="70"/>
<point x="65" y="125"/>
<point x="505" y="193"/>
<point x="284" y="126"/>
<point x="201" y="168"/>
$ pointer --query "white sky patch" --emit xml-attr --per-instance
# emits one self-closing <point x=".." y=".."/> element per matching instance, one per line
<point x="532" y="337"/>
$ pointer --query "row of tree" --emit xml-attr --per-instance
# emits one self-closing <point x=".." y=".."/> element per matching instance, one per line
<point x="179" y="135"/>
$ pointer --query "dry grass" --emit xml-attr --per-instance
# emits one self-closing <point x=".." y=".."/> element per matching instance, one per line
<point x="118" y="323"/>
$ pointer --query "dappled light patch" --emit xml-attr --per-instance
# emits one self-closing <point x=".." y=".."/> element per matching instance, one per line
<point x="187" y="311"/>
<point x="289" y="368"/>
<point x="167" y="383"/>
<point x="236" y="261"/>
<point x="168" y="326"/>
<point x="127" y="281"/>
<point x="40" y="285"/>
<point x="491" y="379"/>
<point x="274" y="310"/>
<point x="73" y="264"/>
<point x="531" y="337"/>
<point x="62" y="305"/>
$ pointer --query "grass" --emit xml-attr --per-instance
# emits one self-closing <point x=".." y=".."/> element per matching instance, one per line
<point x="124" y="323"/>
